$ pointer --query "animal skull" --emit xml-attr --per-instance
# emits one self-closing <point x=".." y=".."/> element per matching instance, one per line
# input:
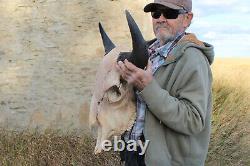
<point x="112" y="108"/>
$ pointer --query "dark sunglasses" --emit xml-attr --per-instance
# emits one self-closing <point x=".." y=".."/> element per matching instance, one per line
<point x="167" y="13"/>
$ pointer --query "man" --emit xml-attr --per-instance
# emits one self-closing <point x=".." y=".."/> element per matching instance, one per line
<point x="173" y="93"/>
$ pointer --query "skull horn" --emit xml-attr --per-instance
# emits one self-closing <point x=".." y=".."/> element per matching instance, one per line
<point x="139" y="55"/>
<point x="107" y="43"/>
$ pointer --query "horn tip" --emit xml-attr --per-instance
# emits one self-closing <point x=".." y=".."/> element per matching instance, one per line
<point x="127" y="13"/>
<point x="100" y="25"/>
<point x="100" y="28"/>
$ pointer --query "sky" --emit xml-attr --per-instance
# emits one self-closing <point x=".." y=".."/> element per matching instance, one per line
<point x="225" y="24"/>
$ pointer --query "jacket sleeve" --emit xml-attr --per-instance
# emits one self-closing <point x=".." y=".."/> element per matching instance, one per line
<point x="186" y="112"/>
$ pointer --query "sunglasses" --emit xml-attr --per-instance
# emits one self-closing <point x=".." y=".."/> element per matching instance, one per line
<point x="167" y="13"/>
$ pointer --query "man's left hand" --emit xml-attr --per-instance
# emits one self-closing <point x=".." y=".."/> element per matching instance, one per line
<point x="134" y="75"/>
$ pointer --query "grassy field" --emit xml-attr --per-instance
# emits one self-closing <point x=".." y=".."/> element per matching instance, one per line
<point x="230" y="140"/>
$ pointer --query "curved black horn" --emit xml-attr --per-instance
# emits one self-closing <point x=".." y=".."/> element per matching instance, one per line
<point x="139" y="55"/>
<point x="134" y="30"/>
<point x="107" y="43"/>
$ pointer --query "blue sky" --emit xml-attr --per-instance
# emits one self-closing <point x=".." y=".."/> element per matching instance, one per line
<point x="224" y="24"/>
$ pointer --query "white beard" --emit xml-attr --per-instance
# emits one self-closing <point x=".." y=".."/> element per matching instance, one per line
<point x="164" y="37"/>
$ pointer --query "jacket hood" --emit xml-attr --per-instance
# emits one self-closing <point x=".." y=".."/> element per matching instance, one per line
<point x="190" y="40"/>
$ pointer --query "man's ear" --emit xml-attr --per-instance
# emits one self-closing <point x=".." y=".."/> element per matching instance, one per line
<point x="188" y="18"/>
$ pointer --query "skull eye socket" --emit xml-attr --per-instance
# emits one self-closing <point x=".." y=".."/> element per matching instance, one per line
<point x="115" y="90"/>
<point x="113" y="94"/>
<point x="122" y="81"/>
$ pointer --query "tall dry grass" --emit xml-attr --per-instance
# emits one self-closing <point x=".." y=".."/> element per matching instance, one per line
<point x="230" y="140"/>
<point x="51" y="148"/>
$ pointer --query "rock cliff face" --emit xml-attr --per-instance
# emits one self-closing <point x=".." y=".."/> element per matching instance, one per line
<point x="49" y="51"/>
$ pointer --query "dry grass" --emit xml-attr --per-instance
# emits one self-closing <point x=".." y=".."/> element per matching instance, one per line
<point x="50" y="148"/>
<point x="229" y="142"/>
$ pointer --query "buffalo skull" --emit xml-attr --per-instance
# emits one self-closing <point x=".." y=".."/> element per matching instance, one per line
<point x="112" y="108"/>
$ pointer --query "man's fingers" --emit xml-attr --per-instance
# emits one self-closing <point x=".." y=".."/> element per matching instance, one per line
<point x="123" y="67"/>
<point x="120" y="69"/>
<point x="130" y="66"/>
<point x="125" y="73"/>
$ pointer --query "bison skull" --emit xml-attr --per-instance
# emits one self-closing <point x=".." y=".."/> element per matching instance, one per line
<point x="112" y="108"/>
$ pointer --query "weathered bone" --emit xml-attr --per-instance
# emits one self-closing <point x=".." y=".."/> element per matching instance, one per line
<point x="112" y="109"/>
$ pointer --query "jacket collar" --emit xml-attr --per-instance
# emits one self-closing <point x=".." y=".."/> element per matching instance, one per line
<point x="175" y="54"/>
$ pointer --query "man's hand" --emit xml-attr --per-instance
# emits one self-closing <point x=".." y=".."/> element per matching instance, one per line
<point x="134" y="75"/>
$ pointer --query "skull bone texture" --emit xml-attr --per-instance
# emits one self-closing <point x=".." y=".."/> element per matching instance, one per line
<point x="112" y="108"/>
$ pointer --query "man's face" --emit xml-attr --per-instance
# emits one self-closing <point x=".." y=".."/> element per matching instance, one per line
<point x="166" y="29"/>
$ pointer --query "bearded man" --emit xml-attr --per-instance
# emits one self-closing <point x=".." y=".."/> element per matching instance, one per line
<point x="173" y="93"/>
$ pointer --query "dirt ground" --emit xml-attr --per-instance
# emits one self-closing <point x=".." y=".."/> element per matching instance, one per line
<point x="49" y="52"/>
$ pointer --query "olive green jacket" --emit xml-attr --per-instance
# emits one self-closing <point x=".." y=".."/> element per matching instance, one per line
<point x="179" y="103"/>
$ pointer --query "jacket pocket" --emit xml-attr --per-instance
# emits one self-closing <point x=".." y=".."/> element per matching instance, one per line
<point x="178" y="143"/>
